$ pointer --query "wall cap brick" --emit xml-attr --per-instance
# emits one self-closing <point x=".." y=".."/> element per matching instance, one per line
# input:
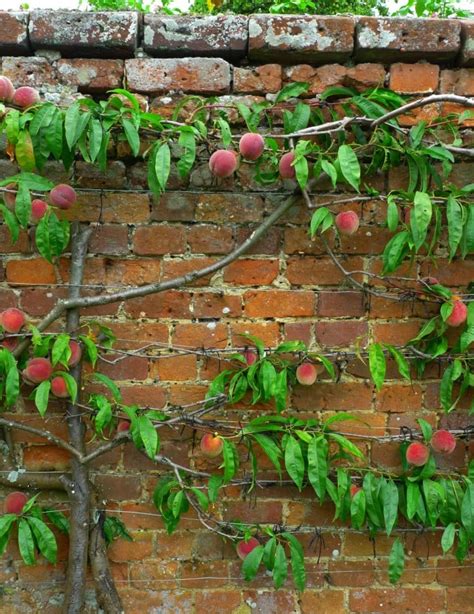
<point x="14" y="33"/>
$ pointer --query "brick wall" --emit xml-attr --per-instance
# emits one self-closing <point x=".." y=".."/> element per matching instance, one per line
<point x="285" y="288"/>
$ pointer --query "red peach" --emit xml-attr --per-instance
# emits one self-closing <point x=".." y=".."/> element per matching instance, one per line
<point x="12" y="320"/>
<point x="37" y="370"/>
<point x="15" y="502"/>
<point x="458" y="315"/>
<point x="38" y="209"/>
<point x="6" y="89"/>
<point x="76" y="353"/>
<point x="245" y="547"/>
<point x="250" y="357"/>
<point x="25" y="97"/>
<point x="443" y="442"/>
<point x="63" y="196"/>
<point x="417" y="454"/>
<point x="59" y="388"/>
<point x="347" y="222"/>
<point x="123" y="425"/>
<point x="355" y="489"/>
<point x="10" y="197"/>
<point x="306" y="373"/>
<point x="251" y="146"/>
<point x="211" y="445"/>
<point x="223" y="163"/>
<point x="287" y="171"/>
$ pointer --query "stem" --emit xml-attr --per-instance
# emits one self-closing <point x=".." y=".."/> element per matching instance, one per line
<point x="79" y="487"/>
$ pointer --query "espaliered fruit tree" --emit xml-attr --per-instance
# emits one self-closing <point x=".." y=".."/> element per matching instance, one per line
<point x="342" y="137"/>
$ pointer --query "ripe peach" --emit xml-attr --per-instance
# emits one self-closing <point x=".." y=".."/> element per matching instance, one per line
<point x="25" y="97"/>
<point x="38" y="209"/>
<point x="37" y="370"/>
<point x="59" y="388"/>
<point x="443" y="442"/>
<point x="211" y="445"/>
<point x="347" y="222"/>
<point x="458" y="315"/>
<point x="355" y="489"/>
<point x="251" y="146"/>
<point x="250" y="357"/>
<point x="63" y="196"/>
<point x="15" y="502"/>
<point x="6" y="89"/>
<point x="287" y="171"/>
<point x="76" y="353"/>
<point x="12" y="320"/>
<point x="306" y="373"/>
<point x="123" y="425"/>
<point x="246" y="547"/>
<point x="417" y="454"/>
<point x="223" y="163"/>
<point x="10" y="197"/>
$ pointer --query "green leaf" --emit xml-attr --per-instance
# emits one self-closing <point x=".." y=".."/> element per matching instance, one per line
<point x="396" y="561"/>
<point x="318" y="218"/>
<point x="72" y="124"/>
<point x="230" y="458"/>
<point x="132" y="135"/>
<point x="393" y="216"/>
<point x="201" y="497"/>
<point x="346" y="444"/>
<point x="302" y="170"/>
<point x="394" y="252"/>
<point x="42" y="396"/>
<point x="26" y="543"/>
<point x="252" y="562"/>
<point x="271" y="449"/>
<point x="318" y="465"/>
<point x="377" y="364"/>
<point x="23" y="204"/>
<point x="413" y="498"/>
<point x="24" y="151"/>
<point x="297" y="561"/>
<point x="52" y="236"/>
<point x="454" y="214"/>
<point x="292" y="90"/>
<point x="447" y="539"/>
<point x="110" y="384"/>
<point x="467" y="240"/>
<point x="61" y="352"/>
<point x="12" y="386"/>
<point x="44" y="538"/>
<point x="187" y="142"/>
<point x="420" y="218"/>
<point x="467" y="511"/>
<point x="148" y="435"/>
<point x="294" y="461"/>
<point x="177" y="503"/>
<point x="425" y="429"/>
<point x="6" y="524"/>
<point x="330" y="171"/>
<point x="280" y="568"/>
<point x="104" y="416"/>
<point x="402" y="363"/>
<point x="10" y="221"/>
<point x="358" y="507"/>
<point x="91" y="349"/>
<point x="58" y="519"/>
<point x="390" y="505"/>
<point x="213" y="486"/>
<point x="163" y="165"/>
<point x="349" y="164"/>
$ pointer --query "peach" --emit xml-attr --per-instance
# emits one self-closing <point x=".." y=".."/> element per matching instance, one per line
<point x="76" y="353"/>
<point x="246" y="547"/>
<point x="37" y="370"/>
<point x="26" y="96"/>
<point x="63" y="196"/>
<point x="12" y="320"/>
<point x="15" y="502"/>
<point x="458" y="315"/>
<point x="10" y="197"/>
<point x="123" y="425"/>
<point x="251" y="146"/>
<point x="355" y="489"/>
<point x="443" y="442"/>
<point x="38" y="209"/>
<point x="6" y="89"/>
<point x="223" y="163"/>
<point x="250" y="357"/>
<point x="417" y="454"/>
<point x="287" y="171"/>
<point x="59" y="388"/>
<point x="306" y="373"/>
<point x="9" y="343"/>
<point x="347" y="222"/>
<point x="211" y="445"/>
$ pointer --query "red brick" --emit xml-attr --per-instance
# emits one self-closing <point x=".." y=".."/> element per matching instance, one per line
<point x="30" y="271"/>
<point x="278" y="304"/>
<point x="460" y="599"/>
<point x="258" y="80"/>
<point x="45" y="458"/>
<point x="190" y="75"/>
<point x="414" y="78"/>
<point x="343" y="303"/>
<point x="247" y="272"/>
<point x="155" y="574"/>
<point x="170" y="304"/>
<point x="399" y="398"/>
<point x="346" y="573"/>
<point x="298" y="331"/>
<point x="197" y="336"/>
<point x="396" y="333"/>
<point x="178" y="267"/>
<point x="119" y="487"/>
<point x="340" y="396"/>
<point x="217" y="305"/>
<point x="341" y="333"/>
<point x="174" y="368"/>
<point x="323" y="601"/>
<point x="450" y="573"/>
<point x="208" y="239"/>
<point x="91" y="76"/>
<point x="159" y="240"/>
<point x="268" y="332"/>
<point x="218" y="602"/>
<point x="109" y="239"/>
<point x="459" y="82"/>
<point x="126" y="368"/>
<point x="140" y="548"/>
<point x="396" y="600"/>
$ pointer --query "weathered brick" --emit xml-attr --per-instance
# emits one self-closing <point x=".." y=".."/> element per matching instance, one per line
<point x="32" y="271"/>
<point x="279" y="303"/>
<point x="159" y="240"/>
<point x="341" y="333"/>
<point x="399" y="398"/>
<point x="342" y="303"/>
<point x="248" y="272"/>
<point x="91" y="76"/>
<point x="170" y="304"/>
<point x="396" y="600"/>
<point x="45" y="458"/>
<point x="119" y="487"/>
<point x="406" y="39"/>
<point x="110" y="239"/>
<point x="414" y="78"/>
<point x="208" y="239"/>
<point x="189" y="75"/>
<point x="200" y="336"/>
<point x="14" y="33"/>
<point x="189" y="35"/>
<point x="258" y="80"/>
<point x="287" y="39"/>
<point x="341" y="396"/>
<point x="459" y="599"/>
<point x="466" y="57"/>
<point x="85" y="34"/>
<point x="459" y="81"/>
<point x="91" y="176"/>
<point x="34" y="72"/>
<point x="217" y="305"/>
